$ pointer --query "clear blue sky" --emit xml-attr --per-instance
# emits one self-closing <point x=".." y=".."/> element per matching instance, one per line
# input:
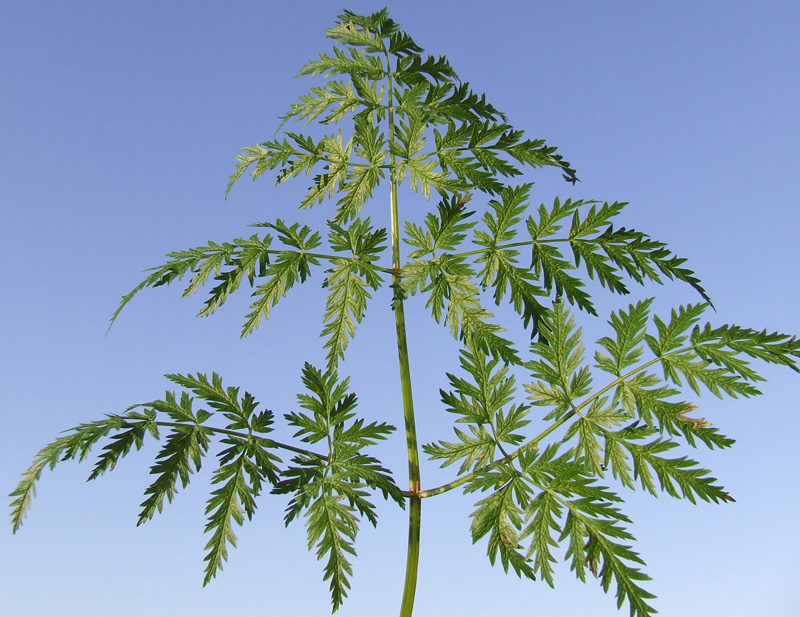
<point x="118" y="127"/>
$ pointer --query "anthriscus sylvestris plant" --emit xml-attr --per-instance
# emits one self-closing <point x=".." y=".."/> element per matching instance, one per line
<point x="613" y="417"/>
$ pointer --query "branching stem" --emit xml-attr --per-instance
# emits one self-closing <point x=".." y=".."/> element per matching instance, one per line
<point x="514" y="245"/>
<point x="225" y="431"/>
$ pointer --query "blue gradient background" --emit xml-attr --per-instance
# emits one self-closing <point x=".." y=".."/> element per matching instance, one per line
<point x="119" y="123"/>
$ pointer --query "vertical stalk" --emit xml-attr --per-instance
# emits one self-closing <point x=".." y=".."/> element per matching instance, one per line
<point x="415" y="506"/>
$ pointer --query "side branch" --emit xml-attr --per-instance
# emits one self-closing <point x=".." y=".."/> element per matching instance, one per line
<point x="532" y="443"/>
<point x="240" y="435"/>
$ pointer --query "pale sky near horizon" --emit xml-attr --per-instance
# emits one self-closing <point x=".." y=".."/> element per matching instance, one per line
<point x="118" y="127"/>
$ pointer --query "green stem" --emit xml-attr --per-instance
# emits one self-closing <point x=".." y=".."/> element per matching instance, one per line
<point x="328" y="258"/>
<point x="415" y="504"/>
<point x="225" y="431"/>
<point x="513" y="245"/>
<point x="349" y="164"/>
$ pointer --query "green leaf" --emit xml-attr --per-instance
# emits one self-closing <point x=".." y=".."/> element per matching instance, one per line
<point x="289" y="268"/>
<point x="627" y="348"/>
<point x="483" y="403"/>
<point x="534" y="153"/>
<point x="593" y="528"/>
<point x="225" y="400"/>
<point x="178" y="458"/>
<point x="643" y="258"/>
<point x="500" y="517"/>
<point x="77" y="443"/>
<point x="244" y="258"/>
<point x="448" y="101"/>
<point x="244" y="466"/>
<point x="500" y="269"/>
<point x="451" y="292"/>
<point x="332" y="528"/>
<point x="678" y="477"/>
<point x="593" y="422"/>
<point x="334" y="93"/>
<point x="443" y="232"/>
<point x="223" y="509"/>
<point x="561" y="377"/>
<point x="349" y="33"/>
<point x="412" y="69"/>
<point x="348" y="282"/>
<point x="122" y="442"/>
<point x="544" y="513"/>
<point x="721" y="345"/>
<point x="344" y="308"/>
<point x="351" y="62"/>
<point x="337" y="155"/>
<point x="360" y="180"/>
<point x="549" y="266"/>
<point x="477" y="451"/>
<point x="332" y="490"/>
<point x="266" y="156"/>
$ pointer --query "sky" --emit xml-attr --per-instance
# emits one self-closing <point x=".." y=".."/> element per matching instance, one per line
<point x="119" y="123"/>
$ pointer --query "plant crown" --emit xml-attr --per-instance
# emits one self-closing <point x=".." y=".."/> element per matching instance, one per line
<point x="612" y="417"/>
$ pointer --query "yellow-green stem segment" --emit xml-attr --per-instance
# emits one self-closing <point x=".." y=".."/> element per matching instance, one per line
<point x="414" y="505"/>
<point x="414" y="509"/>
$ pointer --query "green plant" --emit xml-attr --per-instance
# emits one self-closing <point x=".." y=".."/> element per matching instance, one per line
<point x="411" y="119"/>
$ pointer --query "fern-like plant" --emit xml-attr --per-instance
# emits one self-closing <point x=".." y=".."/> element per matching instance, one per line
<point x="612" y="417"/>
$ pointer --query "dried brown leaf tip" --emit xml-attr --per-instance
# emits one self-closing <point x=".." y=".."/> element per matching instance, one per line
<point x="697" y="423"/>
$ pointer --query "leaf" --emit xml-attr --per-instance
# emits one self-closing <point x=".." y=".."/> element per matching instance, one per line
<point x="477" y="451"/>
<point x="673" y="334"/>
<point x="501" y="518"/>
<point x="627" y="348"/>
<point x="361" y="178"/>
<point x="690" y="478"/>
<point x="348" y="32"/>
<point x="482" y="403"/>
<point x="266" y="156"/>
<point x="223" y="400"/>
<point x="451" y="293"/>
<point x="223" y="509"/>
<point x="500" y="269"/>
<point x="334" y="93"/>
<point x="344" y="308"/>
<point x="77" y="443"/>
<point x="444" y="232"/>
<point x="122" y="442"/>
<point x="561" y="377"/>
<point x="245" y="258"/>
<point x="544" y="513"/>
<point x="244" y="466"/>
<point x="593" y="528"/>
<point x="448" y="101"/>
<point x="774" y="348"/>
<point x="594" y="422"/>
<point x="548" y="265"/>
<point x="412" y="69"/>
<point x="367" y="471"/>
<point x="332" y="490"/>
<point x="507" y="212"/>
<point x="178" y="458"/>
<point x="352" y="62"/>
<point x="332" y="527"/>
<point x="337" y="155"/>
<point x="348" y="281"/>
<point x="289" y="268"/>
<point x="641" y="257"/>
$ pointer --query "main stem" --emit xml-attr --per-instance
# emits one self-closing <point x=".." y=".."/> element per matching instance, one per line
<point x="414" y="501"/>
